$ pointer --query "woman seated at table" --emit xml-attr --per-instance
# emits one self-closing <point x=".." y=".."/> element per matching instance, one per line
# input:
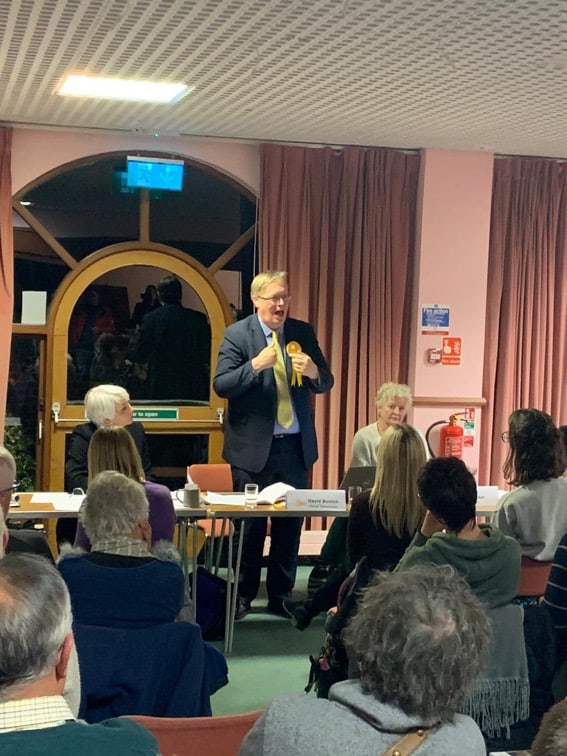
<point x="535" y="513"/>
<point x="112" y="448"/>
<point x="382" y="520"/>
<point x="488" y="560"/>
<point x="121" y="583"/>
<point x="104" y="405"/>
<point x="393" y="400"/>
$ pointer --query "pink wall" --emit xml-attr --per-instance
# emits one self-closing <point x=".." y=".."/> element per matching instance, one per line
<point x="452" y="248"/>
<point x="35" y="151"/>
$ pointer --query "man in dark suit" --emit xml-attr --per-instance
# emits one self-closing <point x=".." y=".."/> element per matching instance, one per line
<point x="30" y="541"/>
<point x="262" y="445"/>
<point x="175" y="343"/>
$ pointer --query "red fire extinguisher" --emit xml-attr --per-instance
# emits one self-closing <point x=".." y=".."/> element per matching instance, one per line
<point x="451" y="439"/>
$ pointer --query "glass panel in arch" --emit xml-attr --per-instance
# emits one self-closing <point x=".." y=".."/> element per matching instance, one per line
<point x="71" y="204"/>
<point x="120" y="332"/>
<point x="209" y="215"/>
<point x="22" y="407"/>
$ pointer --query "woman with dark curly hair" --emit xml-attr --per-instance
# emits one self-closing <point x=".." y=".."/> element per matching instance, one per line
<point x="535" y="513"/>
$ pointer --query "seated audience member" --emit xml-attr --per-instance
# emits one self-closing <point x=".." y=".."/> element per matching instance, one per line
<point x="121" y="583"/>
<point x="104" y="405"/>
<point x="555" y="599"/>
<point x="393" y="400"/>
<point x="551" y="739"/>
<point x="35" y="627"/>
<point x="29" y="541"/>
<point x="112" y="448"/>
<point x="383" y="520"/>
<point x="72" y="690"/>
<point x="488" y="560"/>
<point x="535" y="513"/>
<point x="420" y="640"/>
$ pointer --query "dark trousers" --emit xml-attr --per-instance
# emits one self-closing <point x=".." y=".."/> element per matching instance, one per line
<point x="284" y="464"/>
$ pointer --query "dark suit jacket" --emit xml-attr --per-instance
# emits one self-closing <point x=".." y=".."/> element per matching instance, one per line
<point x="249" y="425"/>
<point x="76" y="464"/>
<point x="175" y="342"/>
<point x="165" y="671"/>
<point x="28" y="542"/>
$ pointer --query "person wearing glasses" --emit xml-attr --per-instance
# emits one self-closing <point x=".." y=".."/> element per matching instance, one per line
<point x="30" y="541"/>
<point x="268" y="367"/>
<point x="535" y="512"/>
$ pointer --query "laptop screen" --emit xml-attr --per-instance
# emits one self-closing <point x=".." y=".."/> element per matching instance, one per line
<point x="358" y="476"/>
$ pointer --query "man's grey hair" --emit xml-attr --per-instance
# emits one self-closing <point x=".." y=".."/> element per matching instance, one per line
<point x="2" y="531"/>
<point x="35" y="618"/>
<point x="551" y="739"/>
<point x="114" y="506"/>
<point x="7" y="475"/>
<point x="420" y="639"/>
<point x="101" y="403"/>
<point x="7" y="459"/>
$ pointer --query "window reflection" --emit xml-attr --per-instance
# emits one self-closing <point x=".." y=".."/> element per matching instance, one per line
<point x="22" y="407"/>
<point x="158" y="347"/>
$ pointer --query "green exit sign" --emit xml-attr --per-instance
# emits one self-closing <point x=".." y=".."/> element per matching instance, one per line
<point x="156" y="414"/>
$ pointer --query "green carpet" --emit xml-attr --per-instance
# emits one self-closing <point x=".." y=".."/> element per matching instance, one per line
<point x="269" y="656"/>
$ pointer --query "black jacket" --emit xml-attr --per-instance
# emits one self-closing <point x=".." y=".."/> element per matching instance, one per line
<point x="76" y="465"/>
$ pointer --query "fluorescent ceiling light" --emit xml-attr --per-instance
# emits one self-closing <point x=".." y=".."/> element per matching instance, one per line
<point x="122" y="89"/>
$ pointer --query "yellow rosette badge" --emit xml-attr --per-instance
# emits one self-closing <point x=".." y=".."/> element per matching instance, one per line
<point x="293" y="347"/>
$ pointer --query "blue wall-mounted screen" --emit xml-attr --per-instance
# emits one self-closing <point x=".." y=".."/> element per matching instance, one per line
<point x="154" y="173"/>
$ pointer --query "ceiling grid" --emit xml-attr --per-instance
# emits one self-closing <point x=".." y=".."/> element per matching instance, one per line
<point x="459" y="74"/>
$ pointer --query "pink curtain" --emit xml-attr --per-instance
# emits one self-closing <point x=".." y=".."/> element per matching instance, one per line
<point x="526" y="344"/>
<point x="6" y="267"/>
<point x="342" y="223"/>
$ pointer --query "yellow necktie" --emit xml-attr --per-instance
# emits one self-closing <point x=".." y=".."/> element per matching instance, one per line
<point x="284" y="414"/>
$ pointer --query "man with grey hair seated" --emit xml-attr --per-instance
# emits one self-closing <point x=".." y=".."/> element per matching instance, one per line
<point x="35" y="627"/>
<point x="420" y="639"/>
<point x="122" y="582"/>
<point x="30" y="541"/>
<point x="37" y="544"/>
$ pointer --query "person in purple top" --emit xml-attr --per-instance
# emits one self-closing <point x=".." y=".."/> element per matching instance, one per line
<point x="112" y="448"/>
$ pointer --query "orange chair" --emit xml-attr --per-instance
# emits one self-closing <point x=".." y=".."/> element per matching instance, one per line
<point x="199" y="735"/>
<point x="213" y="477"/>
<point x="533" y="577"/>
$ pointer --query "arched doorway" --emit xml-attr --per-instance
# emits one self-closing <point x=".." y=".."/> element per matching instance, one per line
<point x="176" y="420"/>
<point x="81" y="249"/>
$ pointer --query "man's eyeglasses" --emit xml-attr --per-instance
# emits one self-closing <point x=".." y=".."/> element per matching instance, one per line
<point x="13" y="488"/>
<point x="505" y="437"/>
<point x="276" y="300"/>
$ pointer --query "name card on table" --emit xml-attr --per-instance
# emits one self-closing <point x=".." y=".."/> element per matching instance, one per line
<point x="316" y="500"/>
<point x="487" y="496"/>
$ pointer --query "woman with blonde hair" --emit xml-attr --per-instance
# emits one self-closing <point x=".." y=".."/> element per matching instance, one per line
<point x="112" y="448"/>
<point x="393" y="401"/>
<point x="384" y="519"/>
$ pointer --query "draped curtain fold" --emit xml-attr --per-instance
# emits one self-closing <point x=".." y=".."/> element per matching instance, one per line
<point x="6" y="266"/>
<point x="525" y="341"/>
<point x="342" y="223"/>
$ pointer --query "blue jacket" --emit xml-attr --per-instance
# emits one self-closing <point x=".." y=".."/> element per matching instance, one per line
<point x="122" y="591"/>
<point x="249" y="425"/>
